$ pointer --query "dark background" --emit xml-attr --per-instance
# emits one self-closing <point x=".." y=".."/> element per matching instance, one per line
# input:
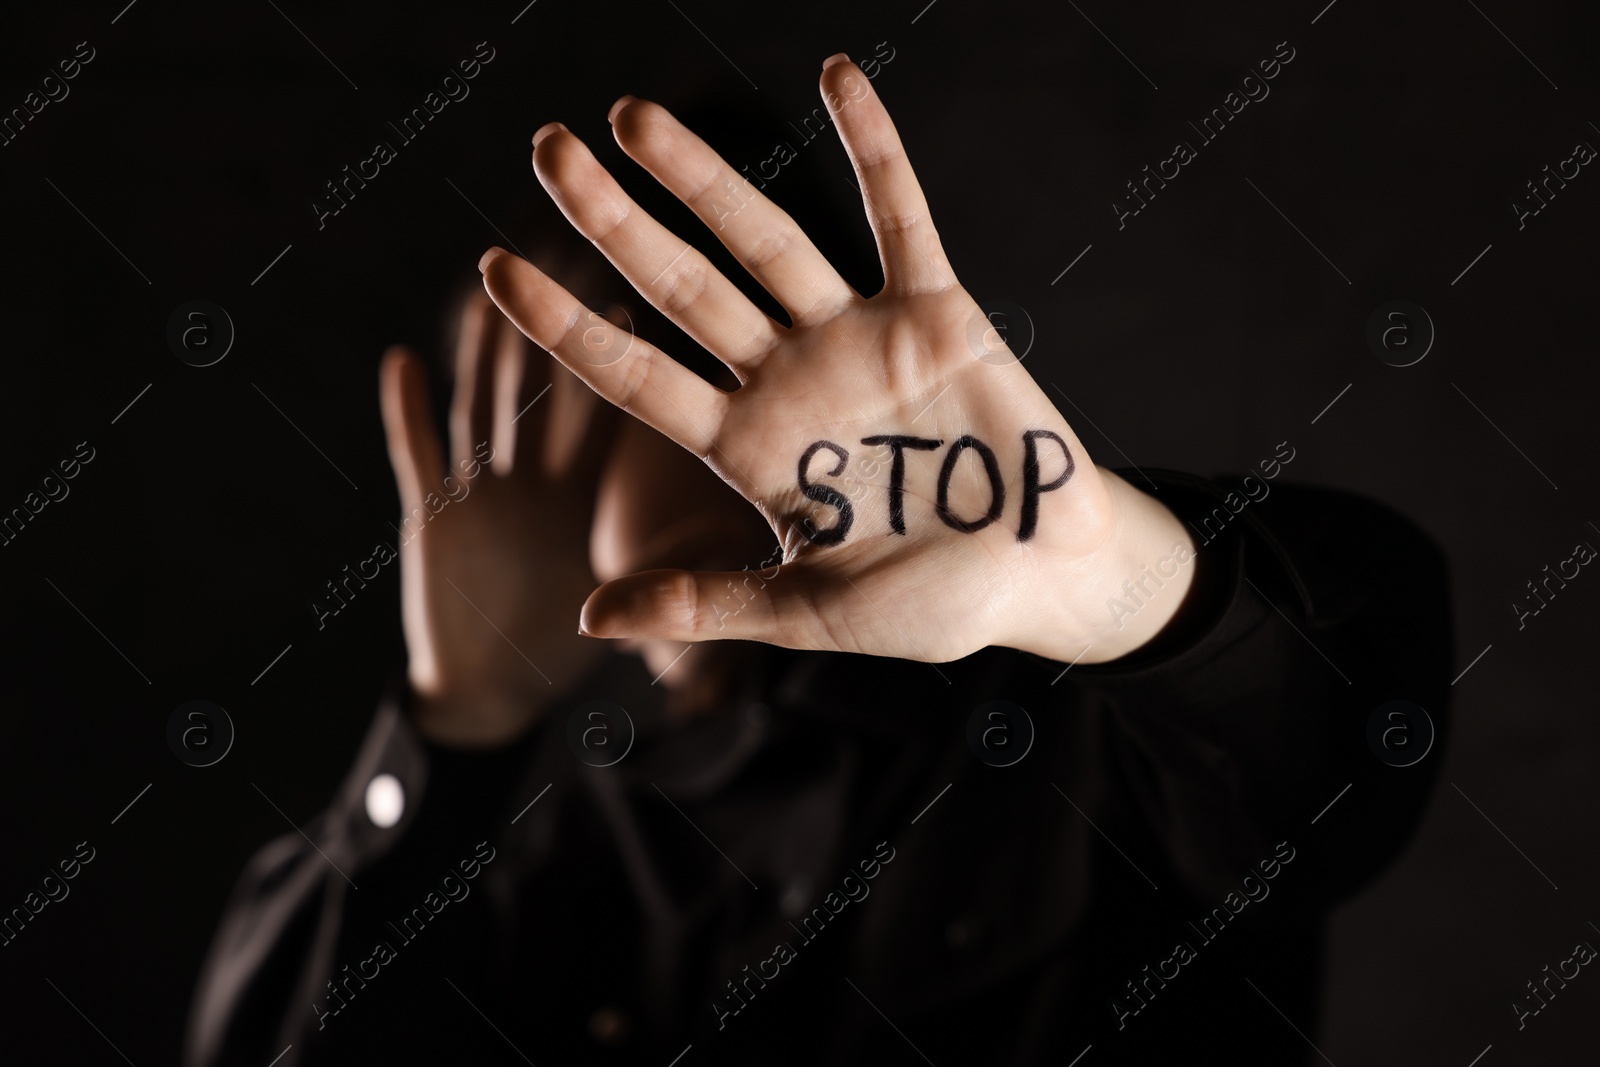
<point x="1199" y="337"/>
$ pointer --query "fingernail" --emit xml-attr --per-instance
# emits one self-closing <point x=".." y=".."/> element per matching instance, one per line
<point x="837" y="57"/>
<point x="622" y="102"/>
<point x="489" y="257"/>
<point x="545" y="131"/>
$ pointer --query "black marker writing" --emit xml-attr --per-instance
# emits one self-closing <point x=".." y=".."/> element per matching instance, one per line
<point x="991" y="466"/>
<point x="897" y="471"/>
<point x="1031" y="489"/>
<point x="825" y="494"/>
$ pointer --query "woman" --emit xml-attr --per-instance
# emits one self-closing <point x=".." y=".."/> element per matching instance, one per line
<point x="954" y="746"/>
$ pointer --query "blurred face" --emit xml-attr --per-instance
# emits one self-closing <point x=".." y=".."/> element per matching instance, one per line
<point x="659" y="506"/>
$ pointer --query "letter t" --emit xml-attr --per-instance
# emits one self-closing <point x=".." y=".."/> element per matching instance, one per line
<point x="897" y="471"/>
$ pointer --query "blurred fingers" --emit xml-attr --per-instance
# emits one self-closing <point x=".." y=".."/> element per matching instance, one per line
<point x="472" y="404"/>
<point x="414" y="449"/>
<point x="629" y="372"/>
<point x="521" y="402"/>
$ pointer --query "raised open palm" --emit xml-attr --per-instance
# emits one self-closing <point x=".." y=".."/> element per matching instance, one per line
<point x="495" y="551"/>
<point x="929" y="498"/>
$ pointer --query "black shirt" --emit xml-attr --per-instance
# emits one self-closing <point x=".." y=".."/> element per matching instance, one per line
<point x="831" y="872"/>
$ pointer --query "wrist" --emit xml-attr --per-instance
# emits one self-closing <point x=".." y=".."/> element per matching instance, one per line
<point x="1118" y="599"/>
<point x="485" y="718"/>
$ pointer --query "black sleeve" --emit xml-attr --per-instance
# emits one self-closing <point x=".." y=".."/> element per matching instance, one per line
<point x="1249" y="720"/>
<point x="287" y="927"/>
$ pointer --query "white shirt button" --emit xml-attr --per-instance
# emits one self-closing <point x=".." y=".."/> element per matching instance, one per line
<point x="386" y="800"/>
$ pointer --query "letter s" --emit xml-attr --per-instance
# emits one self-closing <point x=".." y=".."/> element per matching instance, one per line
<point x="826" y="494"/>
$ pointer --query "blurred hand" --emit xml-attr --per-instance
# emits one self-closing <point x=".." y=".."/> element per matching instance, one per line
<point x="497" y="562"/>
<point x="1000" y="531"/>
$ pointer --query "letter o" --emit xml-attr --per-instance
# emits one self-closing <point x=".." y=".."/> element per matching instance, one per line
<point x="997" y="485"/>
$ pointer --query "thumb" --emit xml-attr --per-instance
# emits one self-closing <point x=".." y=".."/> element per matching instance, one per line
<point x="414" y="449"/>
<point x="769" y="605"/>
